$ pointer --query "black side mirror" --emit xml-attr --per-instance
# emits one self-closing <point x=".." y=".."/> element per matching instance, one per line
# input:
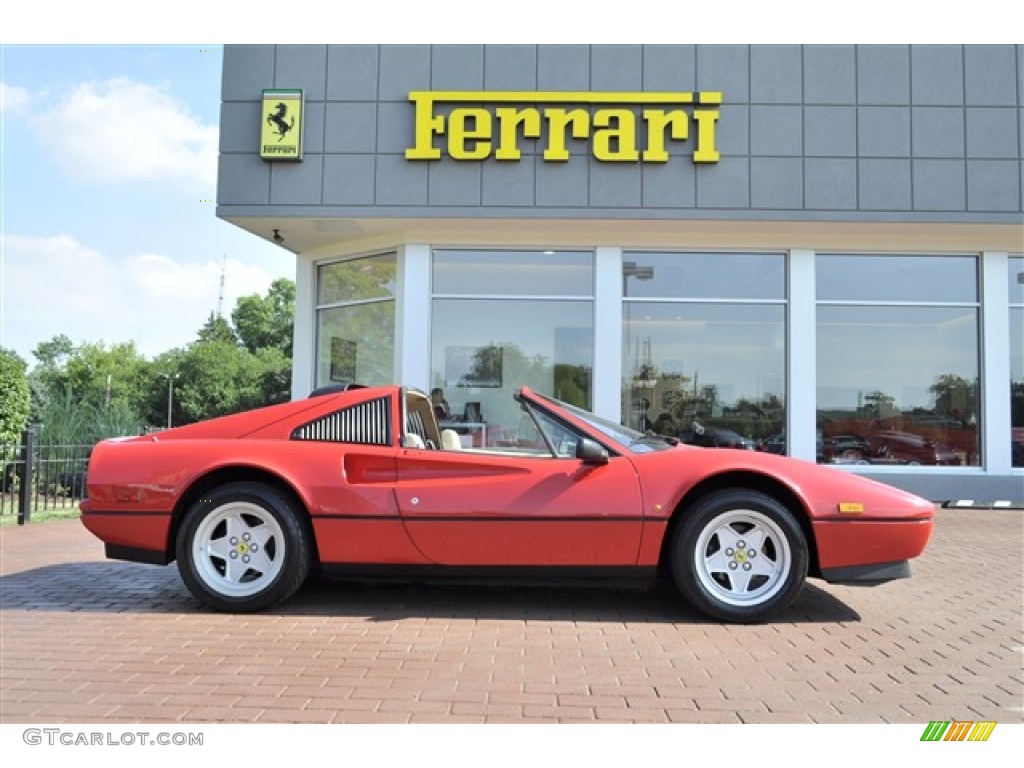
<point x="590" y="452"/>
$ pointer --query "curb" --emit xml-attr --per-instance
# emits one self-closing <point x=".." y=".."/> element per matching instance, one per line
<point x="972" y="504"/>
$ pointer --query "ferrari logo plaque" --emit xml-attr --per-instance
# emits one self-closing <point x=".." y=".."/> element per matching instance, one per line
<point x="281" y="134"/>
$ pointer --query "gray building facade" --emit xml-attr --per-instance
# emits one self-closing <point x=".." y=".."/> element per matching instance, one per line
<point x="814" y="250"/>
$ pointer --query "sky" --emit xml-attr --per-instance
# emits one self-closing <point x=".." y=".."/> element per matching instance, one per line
<point x="108" y="149"/>
<point x="107" y="220"/>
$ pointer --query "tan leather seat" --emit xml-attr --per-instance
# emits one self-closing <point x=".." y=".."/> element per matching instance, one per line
<point x="450" y="440"/>
<point x="413" y="441"/>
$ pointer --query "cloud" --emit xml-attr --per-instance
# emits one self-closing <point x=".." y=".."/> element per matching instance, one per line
<point x="53" y="285"/>
<point x="125" y="130"/>
<point x="13" y="99"/>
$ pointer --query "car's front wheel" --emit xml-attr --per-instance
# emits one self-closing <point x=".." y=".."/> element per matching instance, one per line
<point x="739" y="556"/>
<point x="243" y="547"/>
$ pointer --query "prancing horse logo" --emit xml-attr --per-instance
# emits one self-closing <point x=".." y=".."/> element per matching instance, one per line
<point x="277" y="119"/>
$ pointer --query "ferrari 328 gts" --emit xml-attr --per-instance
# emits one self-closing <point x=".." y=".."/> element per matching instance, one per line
<point x="364" y="482"/>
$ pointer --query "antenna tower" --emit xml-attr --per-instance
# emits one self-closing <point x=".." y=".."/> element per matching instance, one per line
<point x="220" y="295"/>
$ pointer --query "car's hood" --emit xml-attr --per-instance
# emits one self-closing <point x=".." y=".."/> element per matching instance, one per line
<point x="821" y="488"/>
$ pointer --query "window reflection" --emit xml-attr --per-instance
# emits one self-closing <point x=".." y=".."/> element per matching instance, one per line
<point x="355" y="321"/>
<point x="704" y="351"/>
<point x="704" y="275"/>
<point x="1016" y="280"/>
<point x="357" y="279"/>
<point x="897" y="385"/>
<point x="885" y="277"/>
<point x="356" y="344"/>
<point x="513" y="273"/>
<point x="709" y="374"/>
<point x="483" y="349"/>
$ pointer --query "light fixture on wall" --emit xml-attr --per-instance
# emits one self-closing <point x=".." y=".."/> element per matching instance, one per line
<point x="632" y="269"/>
<point x="278" y="237"/>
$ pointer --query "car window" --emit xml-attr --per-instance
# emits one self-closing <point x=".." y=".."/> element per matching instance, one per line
<point x="524" y="438"/>
<point x="560" y="437"/>
<point x="537" y="434"/>
<point x="636" y="442"/>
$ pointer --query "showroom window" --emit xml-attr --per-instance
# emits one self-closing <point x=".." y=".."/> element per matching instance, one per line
<point x="704" y="347"/>
<point x="898" y="360"/>
<point x="502" y="319"/>
<point x="355" y="321"/>
<point x="1016" y="278"/>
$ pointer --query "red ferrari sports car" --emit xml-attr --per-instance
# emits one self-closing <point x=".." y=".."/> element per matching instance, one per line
<point x="363" y="482"/>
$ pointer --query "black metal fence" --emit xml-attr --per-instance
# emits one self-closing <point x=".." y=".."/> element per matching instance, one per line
<point x="38" y="476"/>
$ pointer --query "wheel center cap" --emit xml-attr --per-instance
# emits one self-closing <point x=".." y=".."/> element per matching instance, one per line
<point x="242" y="548"/>
<point x="741" y="556"/>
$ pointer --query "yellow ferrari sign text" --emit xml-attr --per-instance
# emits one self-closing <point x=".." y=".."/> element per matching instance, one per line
<point x="622" y="127"/>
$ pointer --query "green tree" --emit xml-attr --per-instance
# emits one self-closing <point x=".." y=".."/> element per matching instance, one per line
<point x="46" y="378"/>
<point x="15" y="398"/>
<point x="264" y="325"/>
<point x="108" y="376"/>
<point x="90" y="391"/>
<point x="276" y="376"/>
<point x="166" y="364"/>
<point x="216" y="328"/>
<point x="95" y="373"/>
<point x="53" y="355"/>
<point x="216" y="378"/>
<point x="264" y="322"/>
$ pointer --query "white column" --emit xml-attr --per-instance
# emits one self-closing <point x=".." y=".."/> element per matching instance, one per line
<point x="801" y="364"/>
<point x="995" y="363"/>
<point x="608" y="333"/>
<point x="412" y="317"/>
<point x="304" y="334"/>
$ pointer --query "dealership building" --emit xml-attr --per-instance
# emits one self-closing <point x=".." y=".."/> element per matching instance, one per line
<point x="811" y="250"/>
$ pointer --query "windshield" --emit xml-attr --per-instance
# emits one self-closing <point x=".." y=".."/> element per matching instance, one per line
<point x="637" y="442"/>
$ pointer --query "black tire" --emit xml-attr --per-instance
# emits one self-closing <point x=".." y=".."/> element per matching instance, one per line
<point x="243" y="547"/>
<point x="739" y="556"/>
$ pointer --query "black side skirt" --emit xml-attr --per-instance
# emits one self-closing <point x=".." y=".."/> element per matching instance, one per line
<point x="548" y="575"/>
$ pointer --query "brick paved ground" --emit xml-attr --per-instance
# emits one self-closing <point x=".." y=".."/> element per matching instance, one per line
<point x="87" y="640"/>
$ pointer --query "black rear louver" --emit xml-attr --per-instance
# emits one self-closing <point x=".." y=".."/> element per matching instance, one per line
<point x="364" y="424"/>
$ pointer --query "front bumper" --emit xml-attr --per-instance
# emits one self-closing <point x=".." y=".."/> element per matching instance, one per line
<point x="854" y="548"/>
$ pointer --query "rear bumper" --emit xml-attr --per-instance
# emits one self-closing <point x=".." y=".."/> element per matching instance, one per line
<point x="140" y="537"/>
<point x="137" y="555"/>
<point x="867" y="575"/>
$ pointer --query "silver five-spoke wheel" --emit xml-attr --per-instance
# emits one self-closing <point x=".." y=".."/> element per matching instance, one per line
<point x="738" y="555"/>
<point x="243" y="547"/>
<point x="239" y="549"/>
<point x="742" y="557"/>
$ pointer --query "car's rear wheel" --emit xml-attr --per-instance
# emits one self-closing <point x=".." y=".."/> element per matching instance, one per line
<point x="739" y="556"/>
<point x="243" y="547"/>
